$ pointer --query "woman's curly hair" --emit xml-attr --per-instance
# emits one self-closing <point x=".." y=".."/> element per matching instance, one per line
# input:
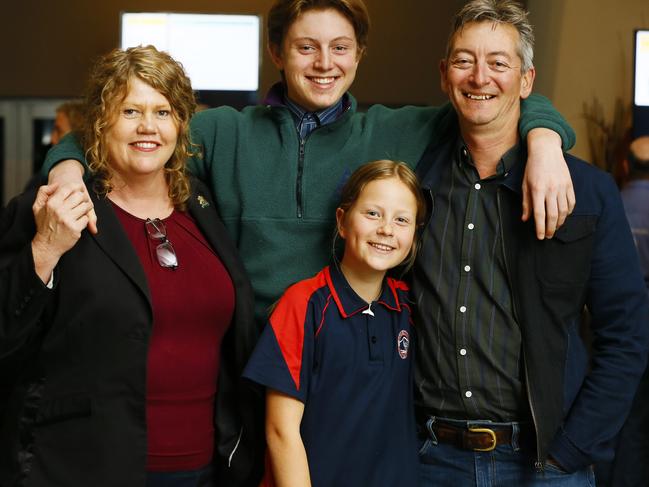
<point x="108" y="86"/>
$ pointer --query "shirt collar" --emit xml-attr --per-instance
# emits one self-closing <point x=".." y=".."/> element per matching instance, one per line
<point x="307" y="122"/>
<point x="511" y="159"/>
<point x="349" y="303"/>
<point x="509" y="167"/>
<point x="322" y="117"/>
<point x="276" y="97"/>
<point x="515" y="160"/>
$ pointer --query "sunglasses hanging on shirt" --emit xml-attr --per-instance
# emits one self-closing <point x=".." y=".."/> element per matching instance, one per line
<point x="165" y="252"/>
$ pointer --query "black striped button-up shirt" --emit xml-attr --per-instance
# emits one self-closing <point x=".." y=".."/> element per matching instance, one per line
<point x="468" y="359"/>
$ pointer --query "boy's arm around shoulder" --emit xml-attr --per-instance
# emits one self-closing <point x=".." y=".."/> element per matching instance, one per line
<point x="68" y="148"/>
<point x="215" y="135"/>
<point x="548" y="193"/>
<point x="537" y="111"/>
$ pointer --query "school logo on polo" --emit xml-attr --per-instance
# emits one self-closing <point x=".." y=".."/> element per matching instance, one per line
<point x="403" y="344"/>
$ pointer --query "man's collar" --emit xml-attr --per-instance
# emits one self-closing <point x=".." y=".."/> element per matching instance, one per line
<point x="508" y="161"/>
<point x="516" y="160"/>
<point x="510" y="166"/>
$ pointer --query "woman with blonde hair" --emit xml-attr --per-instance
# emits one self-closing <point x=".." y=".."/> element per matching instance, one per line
<point x="127" y="345"/>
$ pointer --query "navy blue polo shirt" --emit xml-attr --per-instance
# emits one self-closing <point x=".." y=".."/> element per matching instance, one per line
<point x="351" y="366"/>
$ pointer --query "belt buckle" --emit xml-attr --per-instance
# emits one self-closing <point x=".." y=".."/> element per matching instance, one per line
<point x="490" y="432"/>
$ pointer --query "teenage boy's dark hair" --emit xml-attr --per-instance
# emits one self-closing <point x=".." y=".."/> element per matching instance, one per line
<point x="284" y="12"/>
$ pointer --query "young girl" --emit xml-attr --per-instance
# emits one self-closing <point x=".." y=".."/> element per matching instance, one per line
<point x="336" y="356"/>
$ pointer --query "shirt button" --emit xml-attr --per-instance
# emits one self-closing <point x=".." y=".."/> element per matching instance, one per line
<point x="470" y="226"/>
<point x="462" y="309"/>
<point x="468" y="394"/>
<point x="467" y="268"/>
<point x="463" y="351"/>
<point x="477" y="186"/>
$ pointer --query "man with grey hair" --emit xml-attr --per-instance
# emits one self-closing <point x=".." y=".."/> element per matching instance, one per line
<point x="505" y="390"/>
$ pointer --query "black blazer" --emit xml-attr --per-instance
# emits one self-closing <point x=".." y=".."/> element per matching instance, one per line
<point x="73" y="359"/>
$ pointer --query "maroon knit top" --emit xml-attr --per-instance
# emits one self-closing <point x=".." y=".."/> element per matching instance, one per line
<point x="192" y="308"/>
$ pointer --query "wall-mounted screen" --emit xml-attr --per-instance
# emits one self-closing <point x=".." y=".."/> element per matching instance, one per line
<point x="219" y="52"/>
<point x="641" y="95"/>
<point x="641" y="83"/>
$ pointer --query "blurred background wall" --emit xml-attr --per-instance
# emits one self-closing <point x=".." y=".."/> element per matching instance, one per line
<point x="47" y="47"/>
<point x="584" y="52"/>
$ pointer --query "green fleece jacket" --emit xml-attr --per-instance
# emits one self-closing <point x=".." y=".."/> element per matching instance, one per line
<point x="277" y="196"/>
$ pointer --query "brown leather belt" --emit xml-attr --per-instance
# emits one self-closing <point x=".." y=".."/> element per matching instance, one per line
<point x="473" y="438"/>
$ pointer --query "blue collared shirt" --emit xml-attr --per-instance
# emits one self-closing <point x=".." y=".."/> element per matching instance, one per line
<point x="306" y="122"/>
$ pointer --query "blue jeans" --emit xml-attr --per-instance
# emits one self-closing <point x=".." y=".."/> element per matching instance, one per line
<point x="444" y="465"/>
<point x="203" y="477"/>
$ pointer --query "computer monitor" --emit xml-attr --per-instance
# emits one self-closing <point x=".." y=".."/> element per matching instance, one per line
<point x="220" y="52"/>
<point x="641" y="83"/>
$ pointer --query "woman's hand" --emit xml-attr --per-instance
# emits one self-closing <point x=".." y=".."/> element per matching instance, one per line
<point x="70" y="173"/>
<point x="61" y="214"/>
<point x="548" y="193"/>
